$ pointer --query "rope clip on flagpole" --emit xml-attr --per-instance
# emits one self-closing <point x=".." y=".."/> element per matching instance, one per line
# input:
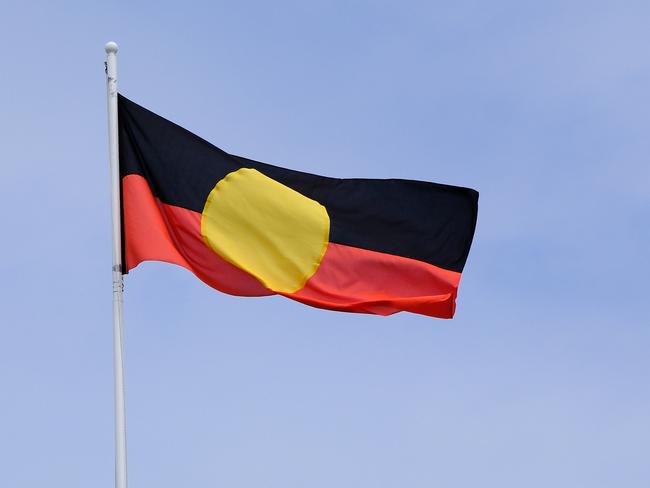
<point x="118" y="283"/>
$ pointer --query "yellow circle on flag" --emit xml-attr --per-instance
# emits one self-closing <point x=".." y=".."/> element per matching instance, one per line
<point x="266" y="228"/>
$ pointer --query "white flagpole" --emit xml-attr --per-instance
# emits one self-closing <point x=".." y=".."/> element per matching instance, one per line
<point x="118" y="284"/>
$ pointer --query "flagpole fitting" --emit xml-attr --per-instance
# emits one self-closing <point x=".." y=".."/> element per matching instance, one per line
<point x="111" y="47"/>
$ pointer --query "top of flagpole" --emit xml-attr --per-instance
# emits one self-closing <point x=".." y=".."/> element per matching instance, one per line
<point x="111" y="47"/>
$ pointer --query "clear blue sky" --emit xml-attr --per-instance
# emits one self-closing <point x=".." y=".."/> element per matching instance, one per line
<point x="541" y="380"/>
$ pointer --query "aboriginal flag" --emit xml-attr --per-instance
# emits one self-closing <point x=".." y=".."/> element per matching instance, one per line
<point x="252" y="229"/>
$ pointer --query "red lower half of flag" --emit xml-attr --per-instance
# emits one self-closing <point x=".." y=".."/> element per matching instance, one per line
<point x="348" y="278"/>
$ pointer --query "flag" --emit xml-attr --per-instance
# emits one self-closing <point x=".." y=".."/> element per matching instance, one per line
<point x="249" y="228"/>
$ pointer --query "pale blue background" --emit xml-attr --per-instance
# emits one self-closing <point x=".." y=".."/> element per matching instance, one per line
<point x="542" y="380"/>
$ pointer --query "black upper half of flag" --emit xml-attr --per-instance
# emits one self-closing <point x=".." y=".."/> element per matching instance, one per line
<point x="425" y="221"/>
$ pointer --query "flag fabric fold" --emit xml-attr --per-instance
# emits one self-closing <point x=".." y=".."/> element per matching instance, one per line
<point x="253" y="229"/>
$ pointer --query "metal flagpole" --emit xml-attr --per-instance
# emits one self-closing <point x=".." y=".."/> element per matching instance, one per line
<point x="118" y="284"/>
